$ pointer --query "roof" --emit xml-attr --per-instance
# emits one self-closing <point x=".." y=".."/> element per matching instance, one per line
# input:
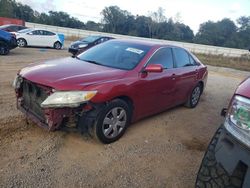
<point x="146" y="43"/>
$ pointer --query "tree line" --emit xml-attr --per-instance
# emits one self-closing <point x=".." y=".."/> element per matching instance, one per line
<point x="224" y="33"/>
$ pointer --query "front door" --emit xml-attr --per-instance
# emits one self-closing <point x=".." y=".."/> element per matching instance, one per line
<point x="158" y="88"/>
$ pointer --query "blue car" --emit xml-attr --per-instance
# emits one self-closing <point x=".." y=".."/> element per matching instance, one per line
<point x="7" y="42"/>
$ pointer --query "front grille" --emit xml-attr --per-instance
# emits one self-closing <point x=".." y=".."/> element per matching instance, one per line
<point x="33" y="95"/>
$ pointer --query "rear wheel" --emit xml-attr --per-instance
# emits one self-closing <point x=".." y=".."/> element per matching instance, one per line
<point x="21" y="42"/>
<point x="194" y="98"/>
<point x="112" y="121"/>
<point x="57" y="45"/>
<point x="4" y="49"/>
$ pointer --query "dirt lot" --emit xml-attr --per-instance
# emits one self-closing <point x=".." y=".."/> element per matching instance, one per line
<point x="164" y="150"/>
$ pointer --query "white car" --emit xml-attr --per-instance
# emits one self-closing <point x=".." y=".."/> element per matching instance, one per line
<point x="39" y="37"/>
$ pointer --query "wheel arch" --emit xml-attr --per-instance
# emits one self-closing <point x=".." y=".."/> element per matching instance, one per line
<point x="130" y="103"/>
<point x="126" y="99"/>
<point x="202" y="85"/>
<point x="57" y="42"/>
<point x="23" y="39"/>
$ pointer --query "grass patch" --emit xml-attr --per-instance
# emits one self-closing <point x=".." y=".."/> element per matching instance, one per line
<point x="240" y="63"/>
<point x="72" y="38"/>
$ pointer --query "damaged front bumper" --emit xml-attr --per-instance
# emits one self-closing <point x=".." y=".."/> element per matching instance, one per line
<point x="53" y="118"/>
<point x="56" y="118"/>
<point x="29" y="98"/>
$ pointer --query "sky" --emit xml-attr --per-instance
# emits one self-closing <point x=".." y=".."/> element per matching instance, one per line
<point x="189" y="12"/>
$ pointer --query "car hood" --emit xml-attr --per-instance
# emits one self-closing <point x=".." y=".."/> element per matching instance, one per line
<point x="70" y="74"/>
<point x="244" y="88"/>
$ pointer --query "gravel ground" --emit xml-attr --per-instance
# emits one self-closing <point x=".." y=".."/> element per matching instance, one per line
<point x="164" y="150"/>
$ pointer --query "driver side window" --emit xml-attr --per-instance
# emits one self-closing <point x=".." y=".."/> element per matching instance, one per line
<point x="163" y="57"/>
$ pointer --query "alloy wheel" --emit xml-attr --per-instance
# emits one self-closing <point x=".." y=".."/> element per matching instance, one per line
<point x="196" y="95"/>
<point x="21" y="42"/>
<point x="114" y="122"/>
<point x="57" y="46"/>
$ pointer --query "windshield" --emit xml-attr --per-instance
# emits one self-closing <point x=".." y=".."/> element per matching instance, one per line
<point x="24" y="30"/>
<point x="90" y="39"/>
<point x="116" y="54"/>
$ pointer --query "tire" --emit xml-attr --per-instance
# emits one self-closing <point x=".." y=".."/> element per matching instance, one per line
<point x="21" y="42"/>
<point x="4" y="49"/>
<point x="109" y="127"/>
<point x="194" y="97"/>
<point x="57" y="45"/>
<point x="212" y="174"/>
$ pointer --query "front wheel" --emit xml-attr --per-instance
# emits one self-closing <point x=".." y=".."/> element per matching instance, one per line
<point x="112" y="121"/>
<point x="57" y="45"/>
<point x="212" y="174"/>
<point x="21" y="42"/>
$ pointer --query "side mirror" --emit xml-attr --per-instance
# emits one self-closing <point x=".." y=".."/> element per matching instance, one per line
<point x="223" y="112"/>
<point x="153" y="68"/>
<point x="74" y="51"/>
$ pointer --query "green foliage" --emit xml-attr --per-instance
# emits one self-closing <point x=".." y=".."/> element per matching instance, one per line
<point x="156" y="25"/>
<point x="90" y="25"/>
<point x="116" y="20"/>
<point x="64" y="20"/>
<point x="225" y="33"/>
<point x="6" y="8"/>
<point x="143" y="26"/>
<point x="13" y="9"/>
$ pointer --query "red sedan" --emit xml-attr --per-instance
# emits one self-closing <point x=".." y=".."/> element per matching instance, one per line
<point x="104" y="89"/>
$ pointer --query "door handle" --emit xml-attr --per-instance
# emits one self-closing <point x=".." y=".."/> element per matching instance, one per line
<point x="173" y="76"/>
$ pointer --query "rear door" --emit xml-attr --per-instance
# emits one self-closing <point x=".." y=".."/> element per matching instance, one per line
<point x="186" y="74"/>
<point x="49" y="38"/>
<point x="159" y="88"/>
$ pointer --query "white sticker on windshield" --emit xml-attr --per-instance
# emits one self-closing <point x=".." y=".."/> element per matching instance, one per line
<point x="134" y="50"/>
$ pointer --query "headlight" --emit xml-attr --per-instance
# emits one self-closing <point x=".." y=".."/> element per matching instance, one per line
<point x="238" y="119"/>
<point x="67" y="98"/>
<point x="82" y="45"/>
<point x="17" y="82"/>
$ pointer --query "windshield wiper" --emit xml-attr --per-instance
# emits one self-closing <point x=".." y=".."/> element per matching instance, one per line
<point x="187" y="65"/>
<point x="91" y="61"/>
